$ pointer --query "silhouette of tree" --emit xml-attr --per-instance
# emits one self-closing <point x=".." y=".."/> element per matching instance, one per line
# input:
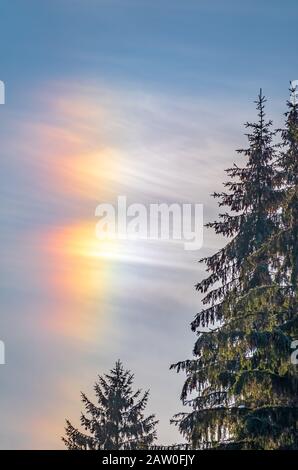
<point x="117" y="420"/>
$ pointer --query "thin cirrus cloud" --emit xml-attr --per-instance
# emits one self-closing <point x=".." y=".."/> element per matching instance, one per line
<point x="82" y="302"/>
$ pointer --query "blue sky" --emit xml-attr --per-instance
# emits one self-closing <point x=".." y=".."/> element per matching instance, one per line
<point x="195" y="46"/>
<point x="143" y="98"/>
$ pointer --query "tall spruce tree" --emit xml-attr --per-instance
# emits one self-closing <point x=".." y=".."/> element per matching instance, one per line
<point x="236" y="361"/>
<point x="117" y="421"/>
<point x="275" y="425"/>
<point x="286" y="241"/>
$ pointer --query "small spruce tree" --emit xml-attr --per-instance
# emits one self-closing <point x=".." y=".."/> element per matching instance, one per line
<point x="117" y="421"/>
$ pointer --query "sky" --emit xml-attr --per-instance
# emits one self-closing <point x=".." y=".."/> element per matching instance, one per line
<point x="143" y="98"/>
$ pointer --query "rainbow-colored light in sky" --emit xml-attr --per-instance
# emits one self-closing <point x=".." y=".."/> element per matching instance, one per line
<point x="143" y="99"/>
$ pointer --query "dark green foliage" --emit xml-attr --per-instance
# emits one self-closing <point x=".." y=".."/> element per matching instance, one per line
<point x="285" y="243"/>
<point x="117" y="421"/>
<point x="241" y="385"/>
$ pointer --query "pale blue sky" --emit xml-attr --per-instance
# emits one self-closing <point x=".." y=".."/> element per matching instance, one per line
<point x="165" y="87"/>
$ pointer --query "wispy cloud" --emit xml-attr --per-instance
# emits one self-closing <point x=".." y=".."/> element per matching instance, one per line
<point x="82" y="303"/>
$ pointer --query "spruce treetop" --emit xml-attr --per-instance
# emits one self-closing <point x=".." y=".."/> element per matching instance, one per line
<point x="117" y="420"/>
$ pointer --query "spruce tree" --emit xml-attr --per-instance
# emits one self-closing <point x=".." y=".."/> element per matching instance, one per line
<point x="234" y="354"/>
<point x="117" y="421"/>
<point x="271" y="423"/>
<point x="274" y="426"/>
<point x="286" y="241"/>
